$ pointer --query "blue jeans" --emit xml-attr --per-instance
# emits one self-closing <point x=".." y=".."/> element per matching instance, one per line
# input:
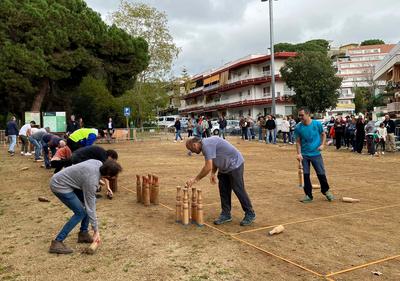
<point x="45" y="147"/>
<point x="222" y="133"/>
<point x="13" y="141"/>
<point x="285" y="136"/>
<point x="178" y="134"/>
<point x="318" y="165"/>
<point x="275" y="133"/>
<point x="260" y="138"/>
<point x="291" y="137"/>
<point x="38" y="147"/>
<point x="74" y="201"/>
<point x="272" y="134"/>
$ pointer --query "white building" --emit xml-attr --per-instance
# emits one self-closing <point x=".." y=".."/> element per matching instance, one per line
<point x="357" y="70"/>
<point x="240" y="88"/>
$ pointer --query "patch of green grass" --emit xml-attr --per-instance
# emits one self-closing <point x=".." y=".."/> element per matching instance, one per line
<point x="89" y="269"/>
<point x="199" y="277"/>
<point x="222" y="272"/>
<point x="1" y="212"/>
<point x="127" y="266"/>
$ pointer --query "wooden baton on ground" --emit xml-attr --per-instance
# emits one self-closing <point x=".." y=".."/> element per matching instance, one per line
<point x="350" y="200"/>
<point x="93" y="247"/>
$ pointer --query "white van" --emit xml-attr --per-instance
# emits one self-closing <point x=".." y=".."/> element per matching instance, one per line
<point x="166" y="121"/>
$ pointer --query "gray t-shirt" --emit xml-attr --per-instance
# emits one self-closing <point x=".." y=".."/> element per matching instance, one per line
<point x="224" y="155"/>
<point x="84" y="176"/>
<point x="39" y="134"/>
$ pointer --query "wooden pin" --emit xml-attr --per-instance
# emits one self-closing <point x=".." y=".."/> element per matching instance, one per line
<point x="138" y="189"/>
<point x="300" y="173"/>
<point x="185" y="218"/>
<point x="146" y="193"/>
<point x="151" y="186"/>
<point x="93" y="247"/>
<point x="277" y="230"/>
<point x="194" y="205"/>
<point x="178" y="214"/>
<point x="350" y="200"/>
<point x="156" y="190"/>
<point x="199" y="212"/>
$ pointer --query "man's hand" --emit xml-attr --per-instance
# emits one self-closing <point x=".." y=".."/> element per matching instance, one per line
<point x="191" y="182"/>
<point x="213" y="179"/>
<point x="299" y="157"/>
<point x="96" y="237"/>
<point x="321" y="147"/>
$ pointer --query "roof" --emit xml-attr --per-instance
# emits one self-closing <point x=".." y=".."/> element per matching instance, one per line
<point x="385" y="48"/>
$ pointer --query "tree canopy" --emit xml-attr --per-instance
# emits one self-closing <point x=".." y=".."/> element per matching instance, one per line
<point x="316" y="45"/>
<point x="313" y="79"/>
<point x="372" y="42"/>
<point x="48" y="46"/>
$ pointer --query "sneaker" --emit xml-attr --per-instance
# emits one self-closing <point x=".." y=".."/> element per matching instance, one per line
<point x="222" y="219"/>
<point x="39" y="160"/>
<point x="85" y="237"/>
<point x="58" y="247"/>
<point x="28" y="154"/>
<point x="22" y="153"/>
<point x="306" y="199"/>
<point x="248" y="219"/>
<point x="12" y="153"/>
<point x="329" y="196"/>
<point x="174" y="140"/>
<point x="383" y="153"/>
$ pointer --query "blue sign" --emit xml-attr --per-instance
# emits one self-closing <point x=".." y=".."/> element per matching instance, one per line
<point x="127" y="111"/>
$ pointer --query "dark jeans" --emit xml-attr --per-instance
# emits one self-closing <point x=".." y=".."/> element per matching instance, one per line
<point x="233" y="181"/>
<point x="46" y="158"/>
<point x="318" y="165"/>
<point x="339" y="137"/>
<point x="285" y="136"/>
<point x="370" y="144"/>
<point x="59" y="164"/>
<point x="381" y="143"/>
<point x="244" y="133"/>
<point x="75" y="202"/>
<point x="359" y="143"/>
<point x="73" y="145"/>
<point x="190" y="133"/>
<point x="25" y="144"/>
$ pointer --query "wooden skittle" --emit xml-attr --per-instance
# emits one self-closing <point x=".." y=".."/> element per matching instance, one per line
<point x="156" y="191"/>
<point x="277" y="230"/>
<point x="138" y="189"/>
<point x="178" y="214"/>
<point x="350" y="200"/>
<point x="199" y="212"/>
<point x="146" y="193"/>
<point x="93" y="247"/>
<point x="194" y="205"/>
<point x="185" y="218"/>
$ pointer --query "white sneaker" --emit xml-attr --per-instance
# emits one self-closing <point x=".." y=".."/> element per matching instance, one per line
<point x="174" y="140"/>
<point x="383" y="153"/>
<point x="28" y="154"/>
<point x="181" y="140"/>
<point x="22" y="153"/>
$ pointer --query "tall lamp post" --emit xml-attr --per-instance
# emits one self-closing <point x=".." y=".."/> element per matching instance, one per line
<point x="271" y="37"/>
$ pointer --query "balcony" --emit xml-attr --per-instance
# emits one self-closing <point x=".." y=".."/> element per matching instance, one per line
<point x="393" y="107"/>
<point x="196" y="89"/>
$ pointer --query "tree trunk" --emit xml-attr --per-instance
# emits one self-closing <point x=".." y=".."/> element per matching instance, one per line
<point x="44" y="88"/>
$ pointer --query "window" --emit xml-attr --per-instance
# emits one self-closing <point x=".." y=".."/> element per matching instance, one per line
<point x="240" y="94"/>
<point x="248" y="71"/>
<point x="249" y="112"/>
<point x="248" y="92"/>
<point x="240" y="113"/>
<point x="266" y="68"/>
<point x="267" y="111"/>
<point x="278" y="94"/>
<point x="289" y="110"/>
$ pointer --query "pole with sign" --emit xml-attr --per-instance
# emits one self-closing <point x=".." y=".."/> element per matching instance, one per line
<point x="127" y="113"/>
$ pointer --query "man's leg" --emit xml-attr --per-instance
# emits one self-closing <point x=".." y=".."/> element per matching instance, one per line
<point x="237" y="182"/>
<point x="319" y="168"/>
<point x="267" y="137"/>
<point x="391" y="142"/>
<point x="13" y="142"/>
<point x="46" y="155"/>
<point x="225" y="191"/>
<point x="85" y="220"/>
<point x="306" y="174"/>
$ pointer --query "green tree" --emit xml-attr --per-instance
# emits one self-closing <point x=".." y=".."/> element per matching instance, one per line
<point x="365" y="99"/>
<point x="316" y="45"/>
<point x="49" y="45"/>
<point x="372" y="42"/>
<point x="313" y="79"/>
<point x="139" y="19"/>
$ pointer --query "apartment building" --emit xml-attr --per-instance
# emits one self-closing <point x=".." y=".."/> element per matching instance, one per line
<point x="240" y="88"/>
<point x="356" y="68"/>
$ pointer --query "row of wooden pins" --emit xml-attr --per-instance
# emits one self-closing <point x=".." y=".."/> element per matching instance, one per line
<point x="189" y="207"/>
<point x="147" y="190"/>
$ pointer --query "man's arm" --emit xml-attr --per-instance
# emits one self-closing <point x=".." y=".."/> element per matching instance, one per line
<point x="298" y="148"/>
<point x="323" y="140"/>
<point x="208" y="166"/>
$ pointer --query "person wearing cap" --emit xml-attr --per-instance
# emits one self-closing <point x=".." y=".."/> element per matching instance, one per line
<point x="81" y="138"/>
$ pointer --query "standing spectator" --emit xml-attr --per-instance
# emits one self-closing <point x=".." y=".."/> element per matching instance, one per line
<point x="390" y="127"/>
<point x="190" y="127"/>
<point x="330" y="124"/>
<point x="209" y="127"/>
<point x="110" y="129"/>
<point x="243" y="127"/>
<point x="348" y="132"/>
<point x="370" y="132"/>
<point x="222" y="126"/>
<point x="360" y="134"/>
<point x="24" y="134"/>
<point x="81" y="125"/>
<point x="352" y="132"/>
<point x="36" y="140"/>
<point x="12" y="133"/>
<point x="72" y="125"/>
<point x="276" y="128"/>
<point x="248" y="129"/>
<point x="293" y="124"/>
<point x="270" y="125"/>
<point x="310" y="140"/>
<point x="250" y="120"/>
<point x="285" y="129"/>
<point x="204" y="125"/>
<point x="339" y="131"/>
<point x="177" y="126"/>
<point x="261" y="127"/>
<point x="382" y="135"/>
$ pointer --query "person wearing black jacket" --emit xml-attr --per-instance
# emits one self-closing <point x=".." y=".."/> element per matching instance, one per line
<point x="177" y="126"/>
<point x="270" y="125"/>
<point x="72" y="125"/>
<point x="222" y="126"/>
<point x="12" y="133"/>
<point x="360" y="134"/>
<point x="390" y="128"/>
<point x="339" y="131"/>
<point x="93" y="152"/>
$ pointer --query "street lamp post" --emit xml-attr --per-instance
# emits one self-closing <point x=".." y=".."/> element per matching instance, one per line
<point x="271" y="37"/>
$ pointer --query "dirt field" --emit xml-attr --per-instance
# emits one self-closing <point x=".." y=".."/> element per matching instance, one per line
<point x="139" y="243"/>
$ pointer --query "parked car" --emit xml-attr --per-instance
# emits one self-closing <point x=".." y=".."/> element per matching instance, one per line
<point x="232" y="127"/>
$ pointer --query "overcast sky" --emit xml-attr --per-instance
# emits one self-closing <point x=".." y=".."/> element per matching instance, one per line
<point x="213" y="32"/>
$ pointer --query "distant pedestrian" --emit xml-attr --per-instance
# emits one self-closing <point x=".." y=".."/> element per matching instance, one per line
<point x="390" y="127"/>
<point x="190" y="127"/>
<point x="81" y="125"/>
<point x="243" y="127"/>
<point x="270" y="125"/>
<point x="24" y="134"/>
<point x="285" y="130"/>
<point x="360" y="134"/>
<point x="261" y="128"/>
<point x="339" y="127"/>
<point x="110" y="129"/>
<point x="293" y="124"/>
<point x="177" y="126"/>
<point x="370" y="131"/>
<point x="12" y="133"/>
<point x="382" y="136"/>
<point x="72" y="125"/>
<point x="222" y="126"/>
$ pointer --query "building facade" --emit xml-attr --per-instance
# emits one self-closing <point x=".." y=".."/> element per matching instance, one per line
<point x="239" y="88"/>
<point x="357" y="68"/>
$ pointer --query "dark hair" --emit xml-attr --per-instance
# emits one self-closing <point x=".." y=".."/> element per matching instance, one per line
<point x="110" y="168"/>
<point x="112" y="153"/>
<point x="305" y="109"/>
<point x="33" y="122"/>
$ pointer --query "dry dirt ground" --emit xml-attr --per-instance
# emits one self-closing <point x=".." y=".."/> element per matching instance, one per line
<point x="140" y="243"/>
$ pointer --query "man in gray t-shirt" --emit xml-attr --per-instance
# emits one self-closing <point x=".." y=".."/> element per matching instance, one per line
<point x="223" y="157"/>
<point x="76" y="187"/>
